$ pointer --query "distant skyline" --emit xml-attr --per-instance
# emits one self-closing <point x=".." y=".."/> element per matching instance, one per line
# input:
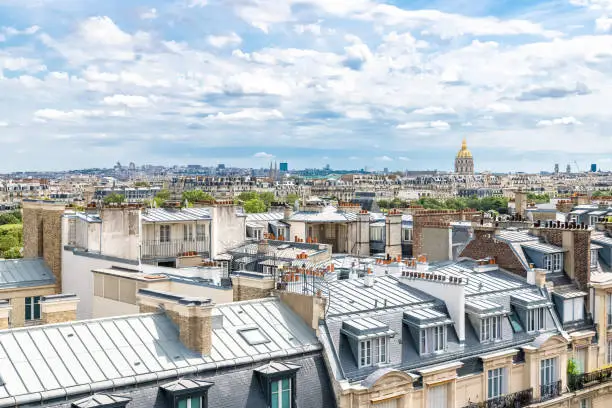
<point x="352" y="83"/>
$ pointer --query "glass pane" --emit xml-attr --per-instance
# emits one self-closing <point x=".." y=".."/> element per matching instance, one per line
<point x="28" y="312"/>
<point x="275" y="386"/>
<point x="286" y="399"/>
<point x="36" y="311"/>
<point x="274" y="402"/>
<point x="196" y="402"/>
<point x="285" y="384"/>
<point x="182" y="403"/>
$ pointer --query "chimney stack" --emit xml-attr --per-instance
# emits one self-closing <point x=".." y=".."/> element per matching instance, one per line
<point x="368" y="279"/>
<point x="193" y="316"/>
<point x="58" y="308"/>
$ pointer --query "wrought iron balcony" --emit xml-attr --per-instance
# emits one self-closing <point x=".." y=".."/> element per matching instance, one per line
<point x="517" y="400"/>
<point x="586" y="380"/>
<point x="174" y="248"/>
<point x="550" y="391"/>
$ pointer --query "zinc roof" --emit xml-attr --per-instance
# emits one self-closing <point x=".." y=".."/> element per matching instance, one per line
<point x="516" y="236"/>
<point x="269" y="216"/>
<point x="543" y="248"/>
<point x="79" y="356"/>
<point x="18" y="273"/>
<point x="167" y="215"/>
<point x="603" y="240"/>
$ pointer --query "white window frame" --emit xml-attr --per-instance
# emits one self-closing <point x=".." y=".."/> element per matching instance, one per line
<point x="593" y="219"/>
<point x="557" y="262"/>
<point x="279" y="394"/>
<point x="365" y="353"/>
<point x="32" y="302"/>
<point x="496" y="383"/>
<point x="376" y="233"/>
<point x="200" y="232"/>
<point x="190" y="401"/>
<point x="548" y="371"/>
<point x="187" y="232"/>
<point x="165" y="233"/>
<point x="585" y="403"/>
<point x="490" y="328"/>
<point x="594" y="258"/>
<point x="407" y="234"/>
<point x="373" y="351"/>
<point x="536" y="319"/>
<point x="423" y="342"/>
<point x="439" y="338"/>
<point x="573" y="309"/>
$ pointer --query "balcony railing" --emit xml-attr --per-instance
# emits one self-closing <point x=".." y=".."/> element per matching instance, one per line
<point x="517" y="400"/>
<point x="173" y="248"/>
<point x="550" y="391"/>
<point x="586" y="380"/>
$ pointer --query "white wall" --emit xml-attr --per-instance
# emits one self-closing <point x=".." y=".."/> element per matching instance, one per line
<point x="228" y="229"/>
<point x="120" y="233"/>
<point x="77" y="278"/>
<point x="111" y="308"/>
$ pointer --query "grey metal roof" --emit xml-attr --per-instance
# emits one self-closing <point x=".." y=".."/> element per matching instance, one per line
<point x="364" y="325"/>
<point x="102" y="400"/>
<point x="328" y="214"/>
<point x="603" y="240"/>
<point x="596" y="247"/>
<point x="482" y="306"/>
<point x="529" y="299"/>
<point x="569" y="292"/>
<point x="184" y="384"/>
<point x="78" y="357"/>
<point x="352" y="296"/>
<point x="516" y="236"/>
<point x="579" y="212"/>
<point x="275" y="367"/>
<point x="18" y="273"/>
<point x="426" y="317"/>
<point x="169" y="215"/>
<point x="542" y="248"/>
<point x="268" y="216"/>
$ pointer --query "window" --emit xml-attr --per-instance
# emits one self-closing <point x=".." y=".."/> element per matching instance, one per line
<point x="495" y="383"/>
<point x="580" y="359"/>
<point x="187" y="232"/>
<point x="257" y="234"/>
<point x="536" y="319"/>
<point x="407" y="234"/>
<point x="594" y="255"/>
<point x="439" y="338"/>
<point x="433" y="340"/>
<point x="376" y="233"/>
<point x="593" y="219"/>
<point x="423" y="341"/>
<point x="281" y="233"/>
<point x="609" y="354"/>
<point x="281" y="394"/>
<point x="609" y="308"/>
<point x="548" y="373"/>
<point x="365" y="353"/>
<point x="164" y="233"/>
<point x="200" y="232"/>
<point x="490" y="329"/>
<point x="190" y="402"/>
<point x="585" y="403"/>
<point x="553" y="262"/>
<point x="573" y="310"/>
<point x="437" y="397"/>
<point x="32" y="308"/>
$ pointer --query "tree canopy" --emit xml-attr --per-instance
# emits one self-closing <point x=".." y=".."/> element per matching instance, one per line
<point x="114" y="198"/>
<point x="255" y="205"/>
<point x="193" y="196"/>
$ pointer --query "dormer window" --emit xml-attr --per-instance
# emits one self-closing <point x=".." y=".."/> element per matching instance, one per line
<point x="369" y="340"/>
<point x="430" y="326"/>
<point x="532" y="310"/>
<point x="490" y="329"/>
<point x="594" y="257"/>
<point x="553" y="262"/>
<point x="278" y="383"/>
<point x="433" y="340"/>
<point x="536" y="319"/>
<point x="187" y="393"/>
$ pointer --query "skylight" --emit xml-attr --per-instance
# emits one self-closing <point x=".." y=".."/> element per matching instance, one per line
<point x="253" y="336"/>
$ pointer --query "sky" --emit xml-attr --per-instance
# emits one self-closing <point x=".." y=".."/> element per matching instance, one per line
<point x="350" y="83"/>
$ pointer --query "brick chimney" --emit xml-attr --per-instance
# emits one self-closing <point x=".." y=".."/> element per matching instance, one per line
<point x="42" y="234"/>
<point x="194" y="316"/>
<point x="5" y="314"/>
<point x="362" y="246"/>
<point x="58" y="308"/>
<point x="520" y="203"/>
<point x="576" y="240"/>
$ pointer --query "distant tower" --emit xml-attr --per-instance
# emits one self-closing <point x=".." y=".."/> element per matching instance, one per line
<point x="464" y="162"/>
<point x="556" y="168"/>
<point x="568" y="170"/>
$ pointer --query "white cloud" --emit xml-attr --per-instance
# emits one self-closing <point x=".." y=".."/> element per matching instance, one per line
<point x="593" y="4"/>
<point x="566" y="120"/>
<point x="221" y="41"/>
<point x="358" y="114"/>
<point x="197" y="3"/>
<point x="55" y="114"/>
<point x="247" y="114"/>
<point x="603" y="24"/>
<point x="3" y="124"/>
<point x="21" y="64"/>
<point x="436" y="124"/>
<point x="434" y="110"/>
<point x="130" y="101"/>
<point x="307" y="28"/>
<point x="263" y="155"/>
<point x="498" y="108"/>
<point x="150" y="14"/>
<point x="403" y="158"/>
<point x="384" y="158"/>
<point x="11" y="31"/>
<point x="357" y="55"/>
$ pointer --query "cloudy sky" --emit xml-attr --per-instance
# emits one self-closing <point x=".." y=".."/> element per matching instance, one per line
<point x="352" y="83"/>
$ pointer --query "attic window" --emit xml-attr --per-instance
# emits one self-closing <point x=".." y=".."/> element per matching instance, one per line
<point x="253" y="336"/>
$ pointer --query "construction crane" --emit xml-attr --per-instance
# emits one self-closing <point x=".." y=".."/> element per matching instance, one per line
<point x="577" y="168"/>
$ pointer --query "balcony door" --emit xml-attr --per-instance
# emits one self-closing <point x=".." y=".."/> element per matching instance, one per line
<point x="386" y="404"/>
<point x="437" y="396"/>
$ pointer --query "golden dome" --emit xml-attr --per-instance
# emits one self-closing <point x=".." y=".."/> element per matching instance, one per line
<point x="464" y="153"/>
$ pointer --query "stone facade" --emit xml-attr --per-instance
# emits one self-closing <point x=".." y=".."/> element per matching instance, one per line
<point x="42" y="235"/>
<point x="393" y="234"/>
<point x="421" y="218"/>
<point x="247" y="288"/>
<point x="58" y="308"/>
<point x="485" y="245"/>
<point x="16" y="299"/>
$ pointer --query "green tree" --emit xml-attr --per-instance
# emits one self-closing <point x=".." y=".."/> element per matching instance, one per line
<point x="193" y="196"/>
<point x="17" y="214"/>
<point x="292" y="198"/>
<point x="254" y="205"/>
<point x="383" y="203"/>
<point x="267" y="197"/>
<point x="12" y="253"/>
<point x="163" y="195"/>
<point x="247" y="195"/>
<point x="538" y="198"/>
<point x="114" y="198"/>
<point x="8" y="218"/>
<point x="142" y="184"/>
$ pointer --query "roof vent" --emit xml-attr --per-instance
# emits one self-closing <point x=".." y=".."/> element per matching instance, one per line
<point x="368" y="279"/>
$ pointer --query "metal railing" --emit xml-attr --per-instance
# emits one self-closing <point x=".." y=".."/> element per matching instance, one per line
<point x="580" y="381"/>
<point x="516" y="400"/>
<point x="550" y="391"/>
<point x="174" y="248"/>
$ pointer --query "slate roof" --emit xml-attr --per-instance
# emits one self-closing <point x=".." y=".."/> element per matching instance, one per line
<point x="543" y="248"/>
<point x="79" y="357"/>
<point x="169" y="215"/>
<point x="20" y="273"/>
